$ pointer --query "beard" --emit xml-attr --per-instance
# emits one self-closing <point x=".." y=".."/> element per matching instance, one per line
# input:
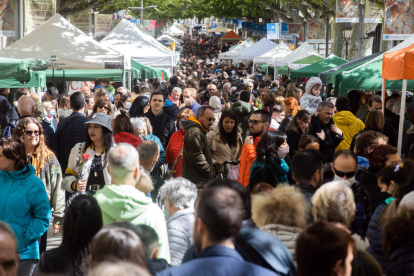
<point x="256" y="134"/>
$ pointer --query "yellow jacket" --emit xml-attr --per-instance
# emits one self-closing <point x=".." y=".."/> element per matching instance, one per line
<point x="349" y="125"/>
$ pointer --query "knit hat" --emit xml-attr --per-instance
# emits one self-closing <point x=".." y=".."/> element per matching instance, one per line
<point x="311" y="83"/>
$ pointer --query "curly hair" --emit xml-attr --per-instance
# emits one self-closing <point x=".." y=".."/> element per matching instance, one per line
<point x="292" y="105"/>
<point x="268" y="98"/>
<point x="41" y="152"/>
<point x="285" y="205"/>
<point x="378" y="156"/>
<point x="102" y="102"/>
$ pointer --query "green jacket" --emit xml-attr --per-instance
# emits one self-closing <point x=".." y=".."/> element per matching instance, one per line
<point x="126" y="203"/>
<point x="197" y="161"/>
<point x="243" y="111"/>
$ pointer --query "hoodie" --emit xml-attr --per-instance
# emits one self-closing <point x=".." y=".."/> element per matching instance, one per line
<point x="171" y="109"/>
<point x="24" y="205"/>
<point x="349" y="125"/>
<point x="197" y="160"/>
<point x="126" y="203"/>
<point x="243" y="112"/>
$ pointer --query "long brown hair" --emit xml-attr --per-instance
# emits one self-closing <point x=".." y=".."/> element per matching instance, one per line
<point x="41" y="152"/>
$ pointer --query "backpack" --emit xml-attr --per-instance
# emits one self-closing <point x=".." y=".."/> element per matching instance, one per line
<point x="363" y="210"/>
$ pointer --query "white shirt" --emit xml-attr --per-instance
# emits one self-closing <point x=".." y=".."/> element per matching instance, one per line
<point x="275" y="124"/>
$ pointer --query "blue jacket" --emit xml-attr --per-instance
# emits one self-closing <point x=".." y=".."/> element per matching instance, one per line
<point x="217" y="260"/>
<point x="171" y="109"/>
<point x="25" y="206"/>
<point x="194" y="107"/>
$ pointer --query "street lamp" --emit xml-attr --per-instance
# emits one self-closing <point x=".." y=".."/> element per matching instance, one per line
<point x="346" y="29"/>
<point x="142" y="10"/>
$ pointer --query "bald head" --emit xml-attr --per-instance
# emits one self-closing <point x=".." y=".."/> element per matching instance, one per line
<point x="26" y="106"/>
<point x="123" y="164"/>
<point x="85" y="90"/>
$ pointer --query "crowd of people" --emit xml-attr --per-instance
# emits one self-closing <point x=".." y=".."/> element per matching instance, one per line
<point x="217" y="170"/>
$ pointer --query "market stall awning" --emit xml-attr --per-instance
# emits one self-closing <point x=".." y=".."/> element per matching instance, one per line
<point x="307" y="60"/>
<point x="231" y="35"/>
<point x="148" y="72"/>
<point x="219" y="30"/>
<point x="257" y="49"/>
<point x="313" y="70"/>
<point x="301" y="52"/>
<point x="38" y="79"/>
<point x="85" y="75"/>
<point x="278" y="52"/>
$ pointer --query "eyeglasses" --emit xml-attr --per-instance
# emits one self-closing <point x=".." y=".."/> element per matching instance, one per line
<point x="250" y="86"/>
<point x="32" y="132"/>
<point x="254" y="122"/>
<point x="103" y="107"/>
<point x="342" y="174"/>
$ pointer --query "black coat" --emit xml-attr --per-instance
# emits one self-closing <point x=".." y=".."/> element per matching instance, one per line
<point x="162" y="126"/>
<point x="402" y="260"/>
<point x="370" y="182"/>
<point x="377" y="251"/>
<point x="69" y="132"/>
<point x="373" y="223"/>
<point x="293" y="138"/>
<point x="285" y="123"/>
<point x="58" y="261"/>
<point x="156" y="265"/>
<point x="409" y="140"/>
<point x="5" y="112"/>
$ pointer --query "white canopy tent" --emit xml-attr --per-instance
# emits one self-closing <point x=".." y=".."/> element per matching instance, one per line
<point x="305" y="50"/>
<point x="234" y="52"/>
<point x="65" y="47"/>
<point x="182" y="28"/>
<point x="170" y="38"/>
<point x="257" y="49"/>
<point x="128" y="38"/>
<point x="278" y="52"/>
<point x="174" y="31"/>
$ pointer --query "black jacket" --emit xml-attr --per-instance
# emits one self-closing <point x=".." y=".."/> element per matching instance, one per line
<point x="377" y="251"/>
<point x="156" y="265"/>
<point x="402" y="260"/>
<point x="58" y="261"/>
<point x="285" y="123"/>
<point x="307" y="190"/>
<point x="5" y="112"/>
<point x="370" y="181"/>
<point x="70" y="132"/>
<point x="332" y="140"/>
<point x="293" y="138"/>
<point x="373" y="223"/>
<point x="171" y="110"/>
<point x="50" y="134"/>
<point x="162" y="126"/>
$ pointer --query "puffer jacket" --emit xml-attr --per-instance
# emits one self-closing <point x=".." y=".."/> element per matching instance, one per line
<point x="286" y="234"/>
<point x="349" y="125"/>
<point x="126" y="203"/>
<point x="247" y="157"/>
<point x="273" y="173"/>
<point x="172" y="151"/>
<point x="243" y="112"/>
<point x="373" y="223"/>
<point x="310" y="103"/>
<point x="197" y="161"/>
<point x="220" y="150"/>
<point x="25" y="207"/>
<point x="180" y="234"/>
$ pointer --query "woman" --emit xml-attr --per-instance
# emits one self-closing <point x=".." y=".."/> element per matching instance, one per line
<point x="308" y="142"/>
<point x="123" y="130"/>
<point x="139" y="107"/>
<point x="25" y="206"/>
<point x="102" y="106"/>
<point x="64" y="108"/>
<point x="175" y="145"/>
<point x="225" y="141"/>
<point x="374" y="121"/>
<point x="47" y="167"/>
<point x="87" y="161"/>
<point x="298" y="127"/>
<point x="124" y="103"/>
<point x="270" y="166"/>
<point x="179" y="196"/>
<point x="268" y="100"/>
<point x="83" y="219"/>
<point x="291" y="107"/>
<point x="215" y="103"/>
<point x="282" y="213"/>
<point x="278" y="114"/>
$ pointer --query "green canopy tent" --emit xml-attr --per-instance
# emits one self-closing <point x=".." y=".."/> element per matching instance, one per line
<point x="84" y="75"/>
<point x="307" y="60"/>
<point x="38" y="79"/>
<point x="313" y="70"/>
<point x="148" y="72"/>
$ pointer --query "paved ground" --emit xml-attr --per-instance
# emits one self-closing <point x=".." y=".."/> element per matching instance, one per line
<point x="53" y="241"/>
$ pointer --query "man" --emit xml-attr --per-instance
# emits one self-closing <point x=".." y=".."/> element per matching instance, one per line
<point x="329" y="135"/>
<point x="259" y="123"/>
<point x="258" y="76"/>
<point x="86" y="90"/>
<point x="6" y="110"/>
<point x="122" y="90"/>
<point x="262" y="89"/>
<point x="26" y="108"/>
<point x="243" y="110"/>
<point x="346" y="122"/>
<point x="218" y="219"/>
<point x="162" y="125"/>
<point x="9" y="257"/>
<point x="99" y="84"/>
<point x="189" y="97"/>
<point x="72" y="130"/>
<point x="197" y="160"/>
<point x="107" y="84"/>
<point x="121" y="201"/>
<point x="210" y="89"/>
<point x="149" y="152"/>
<point x="307" y="172"/>
<point x="345" y="167"/>
<point x="90" y="102"/>
<point x="250" y="87"/>
<point x="175" y="96"/>
<point x="117" y="98"/>
<point x="104" y="94"/>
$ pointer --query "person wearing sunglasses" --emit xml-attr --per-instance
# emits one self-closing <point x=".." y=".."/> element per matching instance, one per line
<point x="102" y="106"/>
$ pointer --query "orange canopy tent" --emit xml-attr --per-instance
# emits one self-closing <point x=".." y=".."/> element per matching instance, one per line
<point x="399" y="65"/>
<point x="230" y="36"/>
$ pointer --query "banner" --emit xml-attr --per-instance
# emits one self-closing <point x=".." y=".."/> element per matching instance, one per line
<point x="36" y="12"/>
<point x="249" y="27"/>
<point x="285" y="30"/>
<point x="239" y="23"/>
<point x="149" y="26"/>
<point x="292" y="31"/>
<point x="159" y="24"/>
<point x="372" y="13"/>
<point x="347" y="11"/>
<point x="244" y="26"/>
<point x="81" y="20"/>
<point x="77" y="85"/>
<point x="272" y="30"/>
<point x="399" y="19"/>
<point x="115" y="22"/>
<point x="263" y="30"/>
<point x="7" y="18"/>
<point x="316" y="31"/>
<point x="256" y="29"/>
<point x="103" y="24"/>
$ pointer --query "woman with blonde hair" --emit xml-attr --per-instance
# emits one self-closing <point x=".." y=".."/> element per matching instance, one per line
<point x="64" y="108"/>
<point x="282" y="213"/>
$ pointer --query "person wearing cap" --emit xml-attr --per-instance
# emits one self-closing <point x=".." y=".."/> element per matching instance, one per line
<point x="86" y="169"/>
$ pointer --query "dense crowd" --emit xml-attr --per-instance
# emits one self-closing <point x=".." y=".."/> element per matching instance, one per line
<point x="218" y="170"/>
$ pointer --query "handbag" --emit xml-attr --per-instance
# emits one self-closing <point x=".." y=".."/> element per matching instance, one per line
<point x="170" y="172"/>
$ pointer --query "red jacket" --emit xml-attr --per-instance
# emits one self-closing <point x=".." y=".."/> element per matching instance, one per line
<point x="124" y="137"/>
<point x="176" y="142"/>
<point x="247" y="157"/>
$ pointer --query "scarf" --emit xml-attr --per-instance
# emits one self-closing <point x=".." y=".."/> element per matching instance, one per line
<point x="279" y="170"/>
<point x="193" y="119"/>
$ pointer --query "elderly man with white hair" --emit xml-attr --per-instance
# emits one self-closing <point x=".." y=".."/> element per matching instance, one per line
<point x="121" y="201"/>
<point x="175" y="96"/>
<point x="179" y="196"/>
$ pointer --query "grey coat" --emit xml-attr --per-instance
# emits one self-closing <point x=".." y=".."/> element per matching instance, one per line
<point x="180" y="234"/>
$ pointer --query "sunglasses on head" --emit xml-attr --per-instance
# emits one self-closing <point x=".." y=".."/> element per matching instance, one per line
<point x="254" y="122"/>
<point x="32" y="132"/>
<point x="343" y="174"/>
